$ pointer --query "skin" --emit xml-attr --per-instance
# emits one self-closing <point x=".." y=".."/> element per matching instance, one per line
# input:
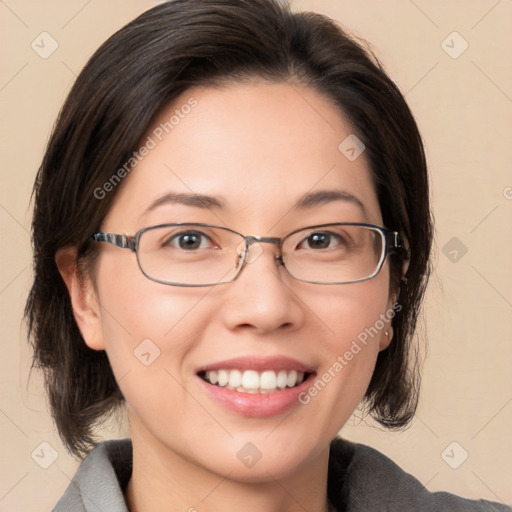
<point x="259" y="147"/>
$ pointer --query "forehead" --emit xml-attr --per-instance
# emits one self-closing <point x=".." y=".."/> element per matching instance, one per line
<point x="258" y="149"/>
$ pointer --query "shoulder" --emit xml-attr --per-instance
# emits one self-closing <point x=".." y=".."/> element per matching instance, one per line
<point x="100" y="480"/>
<point x="372" y="481"/>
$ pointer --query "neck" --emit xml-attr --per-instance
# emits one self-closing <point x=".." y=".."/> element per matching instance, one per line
<point x="163" y="480"/>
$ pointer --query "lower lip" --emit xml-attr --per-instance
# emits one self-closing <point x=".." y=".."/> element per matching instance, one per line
<point x="256" y="405"/>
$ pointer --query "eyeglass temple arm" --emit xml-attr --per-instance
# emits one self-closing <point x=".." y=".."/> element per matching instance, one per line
<point x="394" y="240"/>
<point x="122" y="241"/>
<point x="396" y="243"/>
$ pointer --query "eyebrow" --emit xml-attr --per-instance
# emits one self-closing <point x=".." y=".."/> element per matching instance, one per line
<point x="307" y="201"/>
<point x="189" y="199"/>
<point x="312" y="199"/>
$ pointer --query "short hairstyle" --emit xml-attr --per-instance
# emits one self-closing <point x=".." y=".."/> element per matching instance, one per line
<point x="126" y="83"/>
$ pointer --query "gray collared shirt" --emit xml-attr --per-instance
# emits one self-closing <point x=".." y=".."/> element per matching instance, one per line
<point x="360" y="479"/>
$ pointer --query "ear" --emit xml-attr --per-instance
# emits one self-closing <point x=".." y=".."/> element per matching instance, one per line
<point x="84" y="302"/>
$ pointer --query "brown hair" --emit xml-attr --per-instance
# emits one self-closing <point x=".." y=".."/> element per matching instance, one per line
<point x="130" y="78"/>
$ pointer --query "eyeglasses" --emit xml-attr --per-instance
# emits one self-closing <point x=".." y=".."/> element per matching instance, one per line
<point x="190" y="254"/>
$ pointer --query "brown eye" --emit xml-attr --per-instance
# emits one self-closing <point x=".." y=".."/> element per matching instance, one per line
<point x="188" y="241"/>
<point x="321" y="240"/>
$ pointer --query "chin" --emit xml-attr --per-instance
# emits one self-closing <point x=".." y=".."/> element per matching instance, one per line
<point x="257" y="459"/>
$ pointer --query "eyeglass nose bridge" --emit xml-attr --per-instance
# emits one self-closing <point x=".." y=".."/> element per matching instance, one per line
<point x="254" y="240"/>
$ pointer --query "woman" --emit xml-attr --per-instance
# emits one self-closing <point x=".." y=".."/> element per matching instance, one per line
<point x="232" y="235"/>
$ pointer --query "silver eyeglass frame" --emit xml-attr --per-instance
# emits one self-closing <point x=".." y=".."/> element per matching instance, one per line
<point x="393" y="242"/>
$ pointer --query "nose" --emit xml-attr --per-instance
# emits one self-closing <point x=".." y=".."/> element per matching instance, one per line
<point x="262" y="298"/>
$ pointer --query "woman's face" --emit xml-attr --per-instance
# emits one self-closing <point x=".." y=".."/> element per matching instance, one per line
<point x="257" y="149"/>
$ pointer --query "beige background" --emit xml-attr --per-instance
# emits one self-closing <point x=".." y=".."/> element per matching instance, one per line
<point x="463" y="106"/>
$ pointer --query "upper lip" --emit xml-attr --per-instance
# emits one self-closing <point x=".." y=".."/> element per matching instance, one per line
<point x="258" y="363"/>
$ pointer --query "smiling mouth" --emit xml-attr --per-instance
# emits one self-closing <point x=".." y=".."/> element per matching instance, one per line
<point x="254" y="382"/>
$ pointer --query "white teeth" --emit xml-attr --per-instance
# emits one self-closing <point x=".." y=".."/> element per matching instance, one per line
<point x="251" y="381"/>
<point x="268" y="380"/>
<point x="292" y="378"/>
<point x="282" y="379"/>
<point x="223" y="377"/>
<point x="235" y="379"/>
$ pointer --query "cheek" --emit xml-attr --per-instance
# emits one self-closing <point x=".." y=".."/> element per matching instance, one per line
<point x="150" y="331"/>
<point x="352" y="320"/>
<point x="146" y="324"/>
<point x="354" y="312"/>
